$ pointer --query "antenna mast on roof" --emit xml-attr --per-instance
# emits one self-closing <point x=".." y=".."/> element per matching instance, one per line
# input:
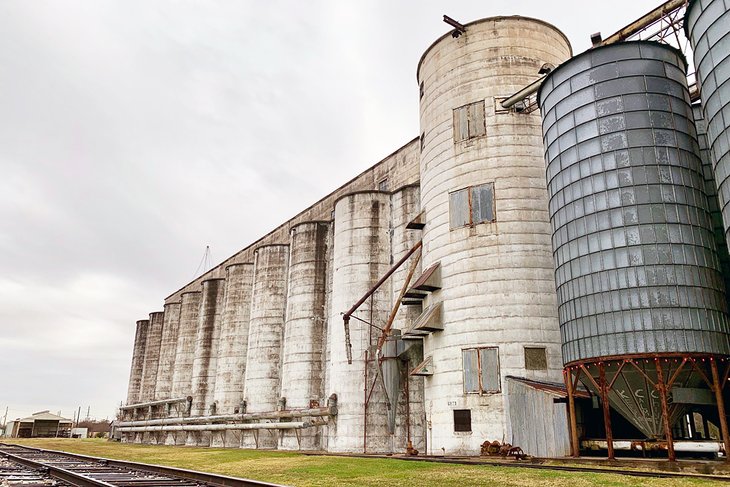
<point x="205" y="263"/>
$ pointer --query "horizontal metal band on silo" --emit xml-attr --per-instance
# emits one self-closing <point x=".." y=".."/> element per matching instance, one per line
<point x="636" y="266"/>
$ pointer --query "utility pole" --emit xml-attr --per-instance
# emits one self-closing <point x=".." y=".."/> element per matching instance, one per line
<point x="78" y="417"/>
<point x="88" y="412"/>
<point x="5" y="418"/>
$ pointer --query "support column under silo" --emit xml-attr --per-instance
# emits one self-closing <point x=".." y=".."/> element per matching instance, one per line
<point x="717" y="386"/>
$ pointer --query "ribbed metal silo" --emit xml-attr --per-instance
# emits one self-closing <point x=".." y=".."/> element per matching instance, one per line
<point x="304" y="339"/>
<point x="206" y="352"/>
<point x="168" y="346"/>
<point x="486" y="222"/>
<point x="233" y="346"/>
<point x="137" y="368"/>
<point x="361" y="257"/>
<point x="707" y="24"/>
<point x="152" y="356"/>
<point x="266" y="329"/>
<point x="637" y="273"/>
<point x="713" y="202"/>
<point x="185" y="353"/>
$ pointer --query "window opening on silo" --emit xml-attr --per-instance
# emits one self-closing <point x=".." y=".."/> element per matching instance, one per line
<point x="469" y="121"/>
<point x="383" y="185"/>
<point x="535" y="358"/>
<point x="472" y="205"/>
<point x="462" y="420"/>
<point x="481" y="370"/>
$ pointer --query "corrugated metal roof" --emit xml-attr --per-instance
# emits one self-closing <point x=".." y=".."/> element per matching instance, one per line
<point x="44" y="416"/>
<point x="551" y="387"/>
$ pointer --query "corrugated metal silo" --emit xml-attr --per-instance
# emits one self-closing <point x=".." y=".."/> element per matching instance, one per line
<point x="707" y="24"/>
<point x="637" y="273"/>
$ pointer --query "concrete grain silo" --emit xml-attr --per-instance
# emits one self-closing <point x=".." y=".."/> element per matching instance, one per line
<point x="206" y="352"/>
<point x="266" y="329"/>
<point x="185" y="353"/>
<point x="137" y="369"/>
<point x="361" y="256"/>
<point x="707" y="25"/>
<point x="641" y="297"/>
<point x="233" y="346"/>
<point x="152" y="356"/>
<point x="168" y="347"/>
<point x="487" y="229"/>
<point x="304" y="331"/>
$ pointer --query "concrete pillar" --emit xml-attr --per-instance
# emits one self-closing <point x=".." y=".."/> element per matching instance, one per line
<point x="232" y="347"/>
<point x="301" y="376"/>
<point x="135" y="375"/>
<point x="152" y="356"/>
<point x="263" y="360"/>
<point x="187" y="333"/>
<point x="206" y="353"/>
<point x="168" y="346"/>
<point x="361" y="257"/>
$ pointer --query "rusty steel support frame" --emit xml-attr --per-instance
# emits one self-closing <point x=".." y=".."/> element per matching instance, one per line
<point x="662" y="388"/>
<point x="572" y="420"/>
<point x="716" y="384"/>
<point x="645" y="21"/>
<point x="606" y="410"/>
<point x="718" y="387"/>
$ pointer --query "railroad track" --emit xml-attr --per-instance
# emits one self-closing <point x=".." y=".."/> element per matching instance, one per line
<point x="30" y="467"/>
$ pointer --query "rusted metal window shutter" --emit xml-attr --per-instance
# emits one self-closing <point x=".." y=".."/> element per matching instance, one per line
<point x="459" y="208"/>
<point x="489" y="358"/>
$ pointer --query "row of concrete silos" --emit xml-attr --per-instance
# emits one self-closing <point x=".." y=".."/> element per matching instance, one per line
<point x="258" y="341"/>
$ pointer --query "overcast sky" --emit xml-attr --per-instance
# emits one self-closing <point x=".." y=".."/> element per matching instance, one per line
<point x="135" y="133"/>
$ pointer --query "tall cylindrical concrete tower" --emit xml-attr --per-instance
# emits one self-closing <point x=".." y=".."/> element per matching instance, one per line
<point x="168" y="345"/>
<point x="361" y="257"/>
<point x="485" y="202"/>
<point x="232" y="347"/>
<point x="266" y="329"/>
<point x="304" y="340"/>
<point x="152" y="356"/>
<point x="137" y="368"/>
<point x="206" y="345"/>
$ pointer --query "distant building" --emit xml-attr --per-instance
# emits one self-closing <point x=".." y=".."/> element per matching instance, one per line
<point x="39" y="425"/>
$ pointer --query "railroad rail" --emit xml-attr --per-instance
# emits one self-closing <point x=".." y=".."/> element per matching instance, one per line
<point x="38" y="465"/>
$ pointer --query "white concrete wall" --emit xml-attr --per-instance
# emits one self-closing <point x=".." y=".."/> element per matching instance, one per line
<point x="168" y="345"/>
<point x="498" y="287"/>
<point x="266" y="329"/>
<point x="361" y="257"/>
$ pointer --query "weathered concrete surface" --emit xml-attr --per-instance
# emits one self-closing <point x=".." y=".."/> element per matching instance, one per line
<point x="187" y="333"/>
<point x="151" y="356"/>
<point x="232" y="347"/>
<point x="137" y="368"/>
<point x="498" y="288"/>
<point x="304" y="340"/>
<point x="361" y="257"/>
<point x="168" y="346"/>
<point x="206" y="353"/>
<point x="266" y="328"/>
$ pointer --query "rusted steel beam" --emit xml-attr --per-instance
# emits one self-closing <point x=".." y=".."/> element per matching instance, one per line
<point x="662" y="388"/>
<point x="396" y="306"/>
<point x="644" y="21"/>
<point x="606" y="411"/>
<point x="717" y="387"/>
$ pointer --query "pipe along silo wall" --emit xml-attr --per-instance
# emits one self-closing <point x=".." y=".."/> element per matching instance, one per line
<point x="266" y="328"/>
<point x="637" y="271"/>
